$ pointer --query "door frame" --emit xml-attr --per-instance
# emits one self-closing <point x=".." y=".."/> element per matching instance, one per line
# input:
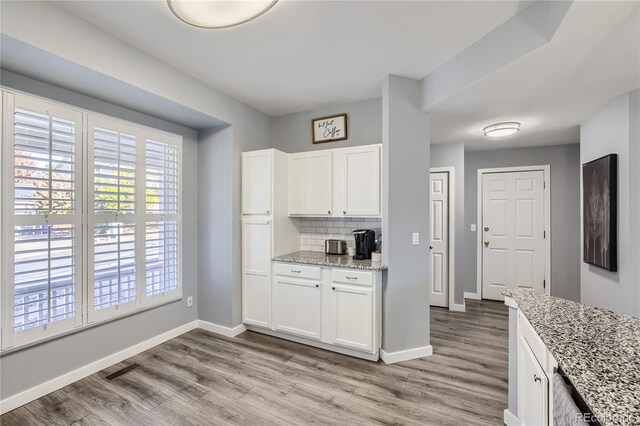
<point x="451" y="171"/>
<point x="546" y="169"/>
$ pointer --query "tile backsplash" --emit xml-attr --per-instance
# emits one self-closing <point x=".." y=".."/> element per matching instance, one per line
<point x="313" y="231"/>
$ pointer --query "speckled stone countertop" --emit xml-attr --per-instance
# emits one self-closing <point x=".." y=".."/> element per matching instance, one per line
<point x="598" y="350"/>
<point x="336" y="261"/>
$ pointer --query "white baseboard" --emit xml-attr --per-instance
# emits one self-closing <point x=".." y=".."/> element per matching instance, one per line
<point x="473" y="296"/>
<point x="406" y="355"/>
<point x="457" y="308"/>
<point x="511" y="419"/>
<point x="219" y="329"/>
<point x="52" y="385"/>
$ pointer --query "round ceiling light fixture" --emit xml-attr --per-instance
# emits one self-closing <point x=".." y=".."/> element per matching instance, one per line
<point x="500" y="130"/>
<point x="217" y="14"/>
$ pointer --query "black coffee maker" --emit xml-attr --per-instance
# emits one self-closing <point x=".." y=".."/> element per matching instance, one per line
<point x="365" y="243"/>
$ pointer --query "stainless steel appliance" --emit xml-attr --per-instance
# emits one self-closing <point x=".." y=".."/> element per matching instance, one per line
<point x="335" y="246"/>
<point x="365" y="243"/>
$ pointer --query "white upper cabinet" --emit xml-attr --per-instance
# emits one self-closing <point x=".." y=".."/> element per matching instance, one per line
<point x="311" y="183"/>
<point x="343" y="182"/>
<point x="361" y="181"/>
<point x="256" y="182"/>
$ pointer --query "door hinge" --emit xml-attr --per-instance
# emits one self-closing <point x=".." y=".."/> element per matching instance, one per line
<point x="544" y="284"/>
<point x="544" y="184"/>
<point x="544" y="234"/>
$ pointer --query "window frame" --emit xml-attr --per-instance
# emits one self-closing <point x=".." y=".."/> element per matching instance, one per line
<point x="83" y="219"/>
<point x="10" y="219"/>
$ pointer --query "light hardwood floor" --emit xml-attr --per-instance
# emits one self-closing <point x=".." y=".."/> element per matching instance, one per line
<point x="201" y="378"/>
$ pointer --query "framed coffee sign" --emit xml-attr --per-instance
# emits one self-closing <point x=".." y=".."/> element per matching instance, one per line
<point x="329" y="129"/>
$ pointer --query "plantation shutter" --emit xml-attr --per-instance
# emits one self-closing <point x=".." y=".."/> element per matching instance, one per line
<point x="114" y="183"/>
<point x="41" y="236"/>
<point x="162" y="224"/>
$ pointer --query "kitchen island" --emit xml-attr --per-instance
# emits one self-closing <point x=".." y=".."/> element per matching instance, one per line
<point x="597" y="350"/>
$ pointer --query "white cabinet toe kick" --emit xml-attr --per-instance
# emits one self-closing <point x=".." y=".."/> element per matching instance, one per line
<point x="331" y="308"/>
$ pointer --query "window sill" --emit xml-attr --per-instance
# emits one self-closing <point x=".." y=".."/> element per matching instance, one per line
<point x="85" y="327"/>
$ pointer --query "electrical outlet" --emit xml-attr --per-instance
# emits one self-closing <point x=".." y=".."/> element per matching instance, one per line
<point x="473" y="227"/>
<point x="416" y="238"/>
<point x="189" y="301"/>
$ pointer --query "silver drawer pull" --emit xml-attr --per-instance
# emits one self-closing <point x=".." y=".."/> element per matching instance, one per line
<point x="295" y="272"/>
<point x="352" y="278"/>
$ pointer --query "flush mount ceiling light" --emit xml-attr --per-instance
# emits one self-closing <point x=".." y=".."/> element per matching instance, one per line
<point x="499" y="130"/>
<point x="219" y="13"/>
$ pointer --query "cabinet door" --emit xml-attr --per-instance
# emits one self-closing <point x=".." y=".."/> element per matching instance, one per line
<point x="532" y="387"/>
<point x="256" y="182"/>
<point x="352" y="316"/>
<point x="362" y="181"/>
<point x="311" y="183"/>
<point x="256" y="272"/>
<point x="297" y="307"/>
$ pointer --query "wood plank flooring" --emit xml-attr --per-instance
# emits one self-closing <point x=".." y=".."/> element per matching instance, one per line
<point x="201" y="378"/>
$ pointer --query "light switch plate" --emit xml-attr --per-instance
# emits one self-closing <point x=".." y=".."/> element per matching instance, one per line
<point x="416" y="238"/>
<point x="473" y="227"/>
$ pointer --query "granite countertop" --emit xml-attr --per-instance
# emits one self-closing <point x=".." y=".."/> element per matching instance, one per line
<point x="598" y="350"/>
<point x="333" y="260"/>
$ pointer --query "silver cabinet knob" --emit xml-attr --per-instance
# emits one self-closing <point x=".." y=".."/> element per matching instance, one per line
<point x="317" y="285"/>
<point x="344" y="212"/>
<point x="536" y="378"/>
<point x="329" y="211"/>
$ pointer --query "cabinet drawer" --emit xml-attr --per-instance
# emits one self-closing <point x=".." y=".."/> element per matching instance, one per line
<point x="298" y="271"/>
<point x="350" y="276"/>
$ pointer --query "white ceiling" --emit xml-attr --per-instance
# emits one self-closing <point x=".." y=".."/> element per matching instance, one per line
<point x="304" y="54"/>
<point x="308" y="54"/>
<point x="593" y="57"/>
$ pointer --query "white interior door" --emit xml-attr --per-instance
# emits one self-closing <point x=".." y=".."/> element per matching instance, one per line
<point x="439" y="239"/>
<point x="512" y="232"/>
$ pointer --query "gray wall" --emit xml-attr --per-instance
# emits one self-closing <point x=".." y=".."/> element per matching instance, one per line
<point x="565" y="209"/>
<point x="29" y="367"/>
<point x="292" y="132"/>
<point x="452" y="155"/>
<point x="405" y="143"/>
<point x="615" y="129"/>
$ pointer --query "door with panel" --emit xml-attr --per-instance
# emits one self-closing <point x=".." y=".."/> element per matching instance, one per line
<point x="533" y="387"/>
<point x="362" y="181"/>
<point x="439" y="248"/>
<point x="352" y="316"/>
<point x="297" y="306"/>
<point x="256" y="271"/>
<point x="257" y="182"/>
<point x="311" y="183"/>
<point x="513" y="232"/>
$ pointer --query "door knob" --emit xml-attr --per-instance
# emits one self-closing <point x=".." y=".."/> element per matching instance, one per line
<point x="486" y="243"/>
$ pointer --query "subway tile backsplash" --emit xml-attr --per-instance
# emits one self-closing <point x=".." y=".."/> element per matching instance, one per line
<point x="313" y="231"/>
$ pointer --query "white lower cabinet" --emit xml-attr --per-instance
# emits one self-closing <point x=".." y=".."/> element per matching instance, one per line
<point x="352" y="319"/>
<point x="297" y="306"/>
<point x="533" y="387"/>
<point x="535" y="366"/>
<point x="332" y="308"/>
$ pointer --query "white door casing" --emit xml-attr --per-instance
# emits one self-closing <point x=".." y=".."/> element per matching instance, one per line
<point x="439" y="247"/>
<point x="513" y="232"/>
